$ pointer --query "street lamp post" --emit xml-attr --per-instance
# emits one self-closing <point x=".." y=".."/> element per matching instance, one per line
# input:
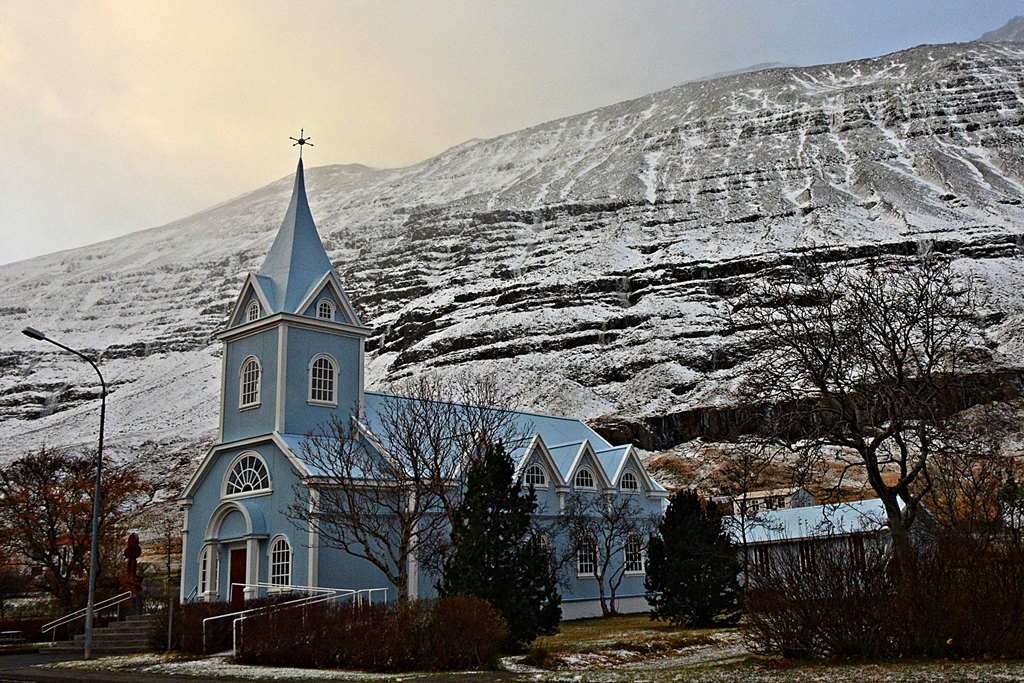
<point x="94" y="548"/>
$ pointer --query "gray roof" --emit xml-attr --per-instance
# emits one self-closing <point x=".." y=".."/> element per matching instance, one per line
<point x="815" y="521"/>
<point x="297" y="260"/>
<point x="568" y="435"/>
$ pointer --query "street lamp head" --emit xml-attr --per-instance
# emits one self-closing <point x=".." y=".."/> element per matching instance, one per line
<point x="34" y="333"/>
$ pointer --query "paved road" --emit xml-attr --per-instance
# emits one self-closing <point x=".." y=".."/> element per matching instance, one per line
<point x="22" y="668"/>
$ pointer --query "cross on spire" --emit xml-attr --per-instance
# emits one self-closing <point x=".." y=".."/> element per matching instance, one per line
<point x="301" y="141"/>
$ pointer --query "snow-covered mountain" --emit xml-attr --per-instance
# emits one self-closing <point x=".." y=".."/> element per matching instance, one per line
<point x="588" y="260"/>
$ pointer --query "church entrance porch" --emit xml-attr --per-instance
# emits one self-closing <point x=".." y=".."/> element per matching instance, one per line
<point x="236" y="577"/>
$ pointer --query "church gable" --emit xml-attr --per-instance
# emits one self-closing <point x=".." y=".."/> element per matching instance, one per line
<point x="251" y="304"/>
<point x="536" y="455"/>
<point x="629" y="474"/>
<point x="327" y="300"/>
<point x="586" y="472"/>
<point x="214" y="476"/>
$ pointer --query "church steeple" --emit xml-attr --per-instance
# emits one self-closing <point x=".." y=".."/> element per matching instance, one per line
<point x="297" y="260"/>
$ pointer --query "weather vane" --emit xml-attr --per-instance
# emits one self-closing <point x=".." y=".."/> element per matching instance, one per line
<point x="301" y="140"/>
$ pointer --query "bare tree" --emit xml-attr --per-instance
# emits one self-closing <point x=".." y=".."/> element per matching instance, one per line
<point x="598" y="527"/>
<point x="46" y="512"/>
<point x="744" y="467"/>
<point x="865" y="365"/>
<point x="386" y="486"/>
<point x="967" y="471"/>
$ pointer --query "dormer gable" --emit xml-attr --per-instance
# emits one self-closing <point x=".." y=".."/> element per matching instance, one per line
<point x="252" y="293"/>
<point x="328" y="293"/>
<point x="537" y="453"/>
<point x="585" y="458"/>
<point x="630" y="462"/>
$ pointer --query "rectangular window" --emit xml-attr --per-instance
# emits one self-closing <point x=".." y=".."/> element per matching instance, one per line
<point x="204" y="568"/>
<point x="586" y="559"/>
<point x="634" y="551"/>
<point x="281" y="564"/>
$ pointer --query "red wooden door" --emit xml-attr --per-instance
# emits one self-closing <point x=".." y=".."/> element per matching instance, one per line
<point x="237" y="576"/>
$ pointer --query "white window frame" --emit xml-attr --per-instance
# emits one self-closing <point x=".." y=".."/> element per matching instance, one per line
<point x="587" y="547"/>
<point x="209" y="573"/>
<point x="272" y="563"/>
<point x="334" y="381"/>
<point x="253" y="311"/>
<point x="242" y="405"/>
<point x="204" y="568"/>
<point x="584" y="487"/>
<point x="329" y="307"/>
<point x="543" y="476"/>
<point x="636" y="482"/>
<point x="265" y="491"/>
<point x="638" y="539"/>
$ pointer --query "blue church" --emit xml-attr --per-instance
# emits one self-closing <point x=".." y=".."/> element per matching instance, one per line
<point x="293" y="358"/>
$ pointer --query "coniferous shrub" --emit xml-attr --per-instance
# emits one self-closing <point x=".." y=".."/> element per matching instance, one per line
<point x="494" y="556"/>
<point x="692" y="566"/>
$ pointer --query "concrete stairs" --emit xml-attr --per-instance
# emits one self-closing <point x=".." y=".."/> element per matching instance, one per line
<point x="130" y="636"/>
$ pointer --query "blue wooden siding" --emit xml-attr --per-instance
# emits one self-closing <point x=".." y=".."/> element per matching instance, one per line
<point x="241" y="424"/>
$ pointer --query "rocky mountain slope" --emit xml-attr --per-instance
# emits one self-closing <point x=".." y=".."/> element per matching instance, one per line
<point x="589" y="260"/>
<point x="1013" y="31"/>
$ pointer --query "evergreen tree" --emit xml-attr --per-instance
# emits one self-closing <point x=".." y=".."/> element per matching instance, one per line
<point x="692" y="566"/>
<point x="494" y="555"/>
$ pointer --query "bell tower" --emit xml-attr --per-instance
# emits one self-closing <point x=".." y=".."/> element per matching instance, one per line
<point x="293" y="347"/>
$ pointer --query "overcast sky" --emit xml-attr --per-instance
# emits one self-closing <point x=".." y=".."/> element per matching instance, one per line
<point x="119" y="116"/>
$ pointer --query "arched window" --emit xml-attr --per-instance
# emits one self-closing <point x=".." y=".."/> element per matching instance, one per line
<point x="322" y="375"/>
<point x="253" y="312"/>
<point x="281" y="562"/>
<point x="249" y="391"/>
<point x="248" y="474"/>
<point x="325" y="310"/>
<point x="628" y="482"/>
<point x="633" y="549"/>
<point x="586" y="557"/>
<point x="584" y="479"/>
<point x="535" y="476"/>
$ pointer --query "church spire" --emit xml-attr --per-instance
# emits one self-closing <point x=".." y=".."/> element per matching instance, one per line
<point x="297" y="260"/>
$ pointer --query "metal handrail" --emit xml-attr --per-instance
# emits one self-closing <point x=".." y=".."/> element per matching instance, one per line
<point x="191" y="596"/>
<point x="238" y="614"/>
<point x="109" y="602"/>
<point x="356" y="596"/>
<point x="320" y="595"/>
